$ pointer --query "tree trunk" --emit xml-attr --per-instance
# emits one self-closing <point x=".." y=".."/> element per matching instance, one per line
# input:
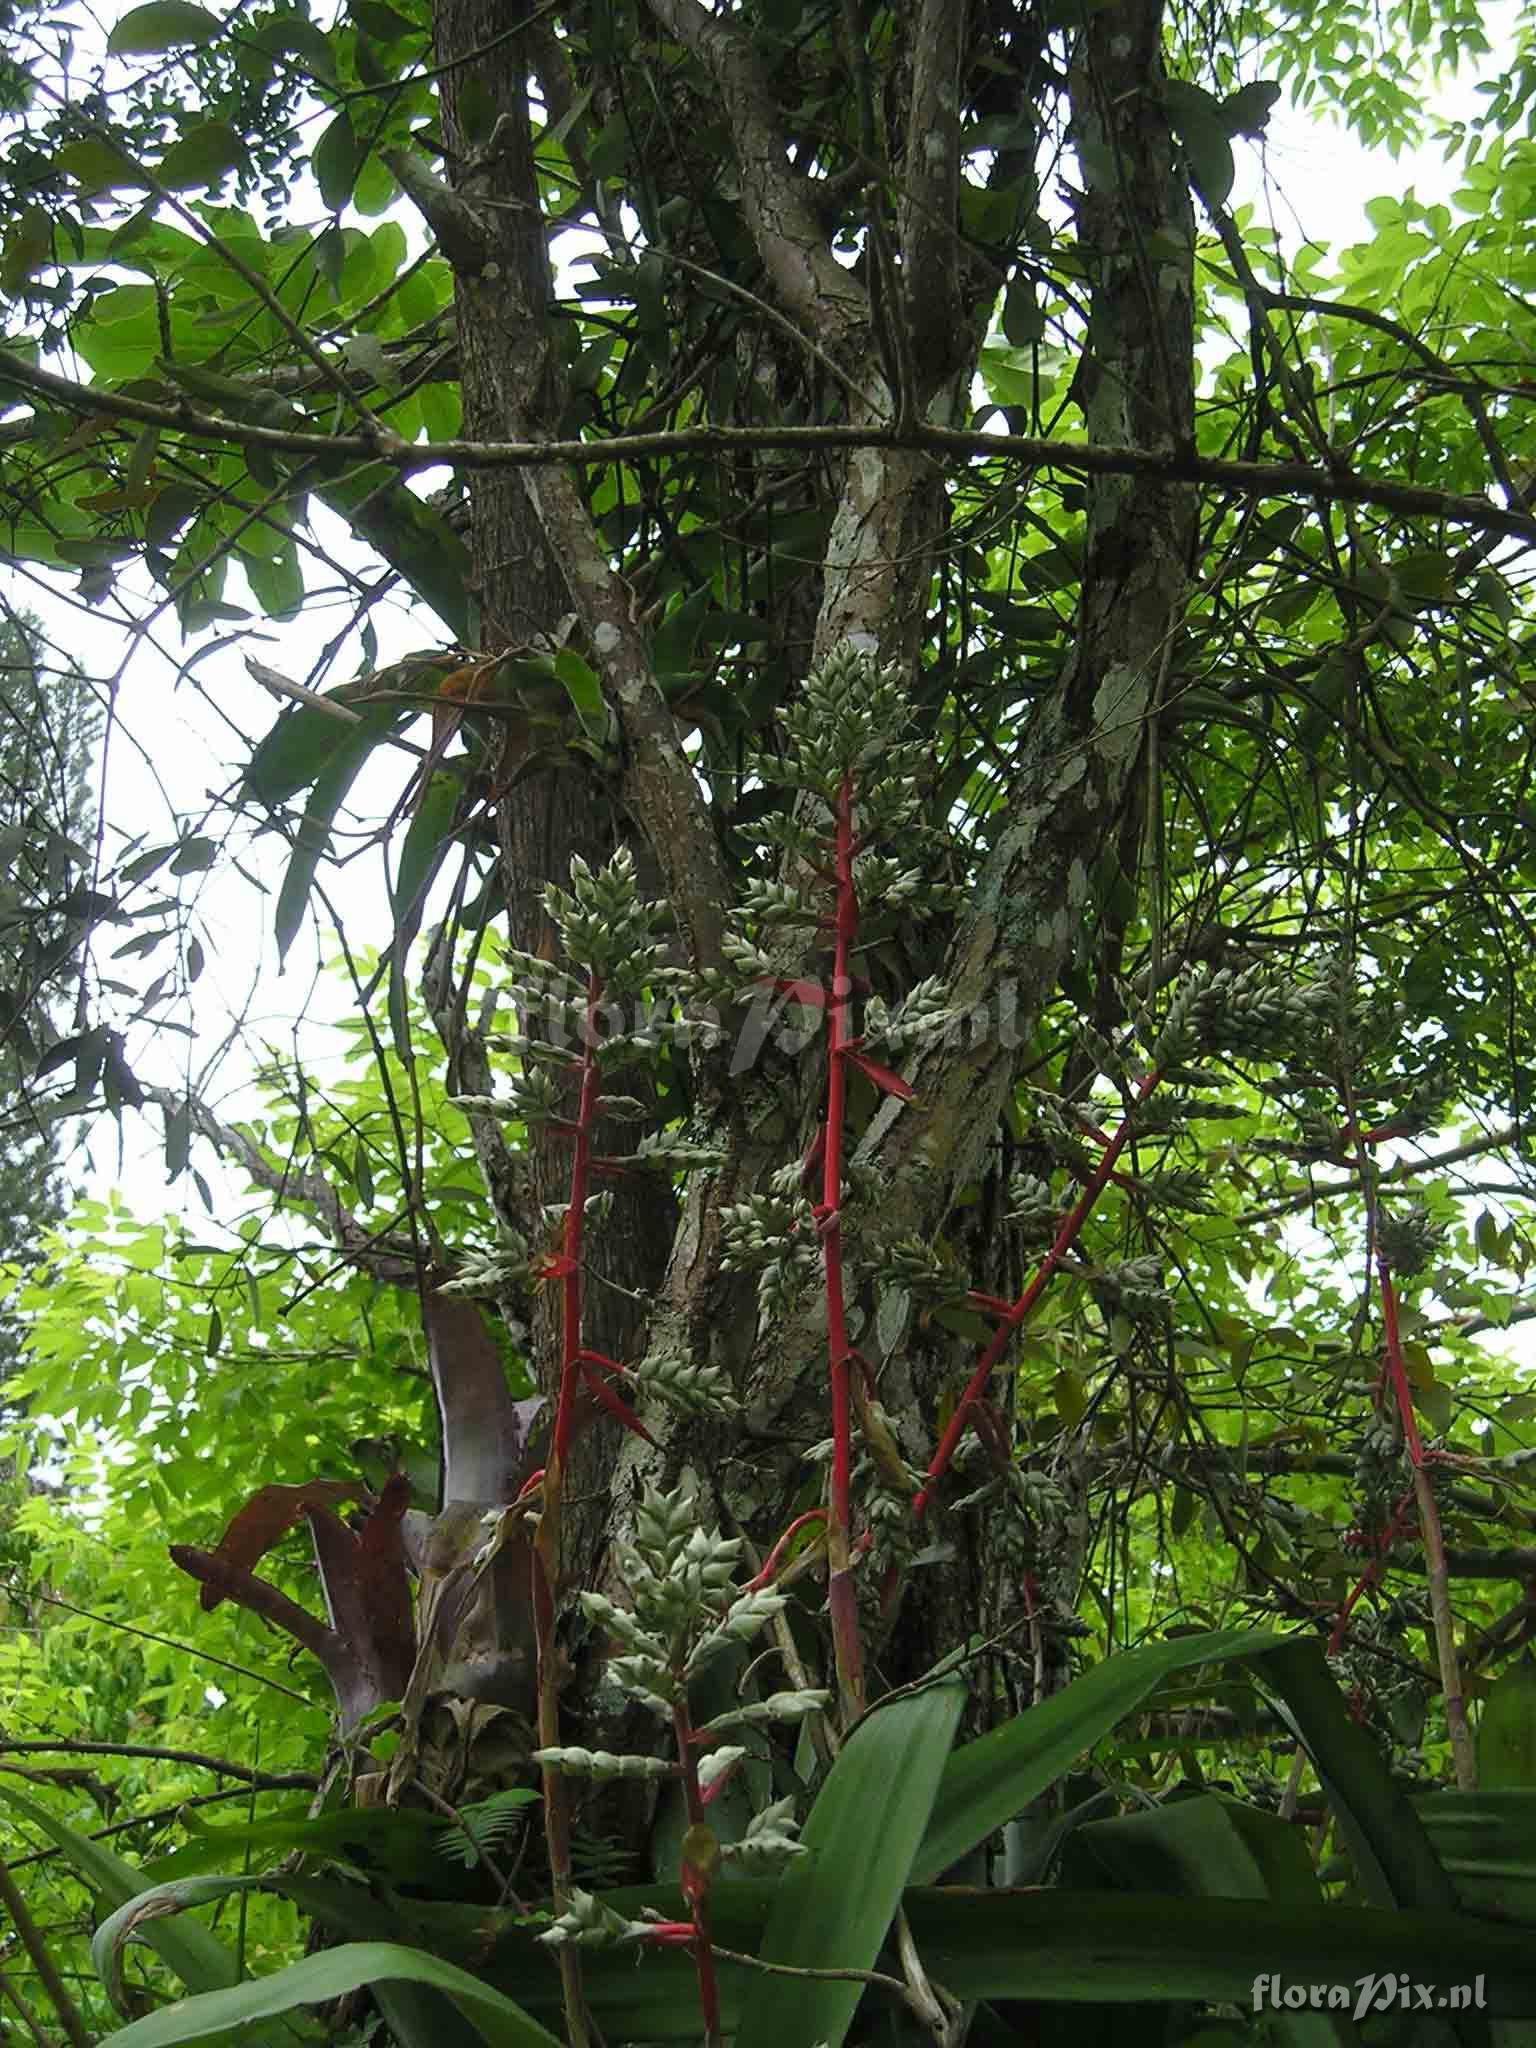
<point x="900" y="336"/>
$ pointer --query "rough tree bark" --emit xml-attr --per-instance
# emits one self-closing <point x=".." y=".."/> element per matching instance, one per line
<point x="894" y="338"/>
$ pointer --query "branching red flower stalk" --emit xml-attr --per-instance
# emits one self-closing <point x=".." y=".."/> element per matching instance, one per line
<point x="696" y="1870"/>
<point x="1014" y="1316"/>
<point x="775" y="1556"/>
<point x="842" y="1600"/>
<point x="1437" y="1575"/>
<point x="546" y="1560"/>
<point x="1372" y="1574"/>
<point x="1397" y="1372"/>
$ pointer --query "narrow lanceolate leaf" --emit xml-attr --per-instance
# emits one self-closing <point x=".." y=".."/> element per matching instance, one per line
<point x="992" y="1779"/>
<point x="885" y="1080"/>
<point x="418" y="2016"/>
<point x="313" y="838"/>
<point x="197" y="1956"/>
<point x="835" y="1905"/>
<point x="331" y="1975"/>
<point x="426" y="843"/>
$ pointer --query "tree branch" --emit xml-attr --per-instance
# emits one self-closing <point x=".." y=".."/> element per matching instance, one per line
<point x="1076" y="458"/>
<point x="37" y="1951"/>
<point x="1076" y="770"/>
<point x="391" y="1259"/>
<point x="928" y="216"/>
<point x="461" y="234"/>
<point x="785" y="230"/>
<point x="1405" y="1169"/>
<point x="261" y="1781"/>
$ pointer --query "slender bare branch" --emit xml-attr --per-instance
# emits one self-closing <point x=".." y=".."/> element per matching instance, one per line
<point x="48" y="1974"/>
<point x="1075" y="458"/>
<point x="196" y="1759"/>
<point x="1403" y="1169"/>
<point x="388" y="1258"/>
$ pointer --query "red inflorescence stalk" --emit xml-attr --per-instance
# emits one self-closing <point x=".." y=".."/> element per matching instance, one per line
<point x="775" y="1556"/>
<point x="1372" y="1574"/>
<point x="696" y="1871"/>
<point x="575" y="1219"/>
<point x="546" y="1558"/>
<point x="1397" y="1371"/>
<point x="841" y="1599"/>
<point x="1014" y="1316"/>
<point x="1436" y="1578"/>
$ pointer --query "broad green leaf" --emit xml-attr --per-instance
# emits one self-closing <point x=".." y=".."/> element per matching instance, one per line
<point x="292" y="34"/>
<point x="336" y="162"/>
<point x="1394" y="1858"/>
<point x="1078" y="1947"/>
<point x="1247" y="111"/>
<point x="1206" y="1845"/>
<point x="581" y="685"/>
<point x="990" y="1780"/>
<point x="1023" y="315"/>
<point x="1487" y="1843"/>
<point x="299" y="748"/>
<point x="202" y="156"/>
<point x="1209" y="1847"/>
<point x="415" y="540"/>
<point x="1187" y="101"/>
<point x="277" y="581"/>
<point x="28" y="245"/>
<point x="1506" y="1733"/>
<point x="835" y="1904"/>
<point x="193" y="855"/>
<point x="178" y="1141"/>
<point x="418" y="2016"/>
<point x="329" y="1975"/>
<point x="1209" y="153"/>
<point x="162" y="25"/>
<point x="1126" y="1947"/>
<point x="649" y="1998"/>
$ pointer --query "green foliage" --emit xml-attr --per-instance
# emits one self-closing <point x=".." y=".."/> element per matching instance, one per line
<point x="1310" y="915"/>
<point x="48" y="723"/>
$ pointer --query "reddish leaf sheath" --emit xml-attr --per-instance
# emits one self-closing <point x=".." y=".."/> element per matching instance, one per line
<point x="887" y="1082"/>
<point x="619" y="1410"/>
<point x="810" y="993"/>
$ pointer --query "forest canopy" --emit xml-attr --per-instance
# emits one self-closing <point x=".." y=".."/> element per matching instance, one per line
<point x="855" y="1330"/>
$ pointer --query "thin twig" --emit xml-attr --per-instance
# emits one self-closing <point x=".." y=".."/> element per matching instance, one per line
<point x="37" y="1950"/>
<point x="29" y="2018"/>
<point x="261" y="1781"/>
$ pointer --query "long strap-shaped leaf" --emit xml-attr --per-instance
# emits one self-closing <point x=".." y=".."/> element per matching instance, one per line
<point x="835" y="1905"/>
<point x="1392" y="1852"/>
<point x="330" y="1975"/>
<point x="995" y="1777"/>
<point x="195" y="1953"/>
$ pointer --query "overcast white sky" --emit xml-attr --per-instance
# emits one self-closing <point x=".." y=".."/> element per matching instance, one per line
<point x="172" y="753"/>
